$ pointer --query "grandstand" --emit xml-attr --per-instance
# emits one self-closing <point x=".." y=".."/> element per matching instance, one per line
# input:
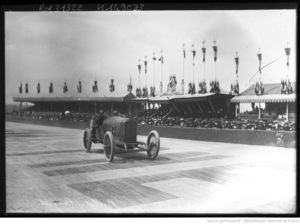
<point x="277" y="104"/>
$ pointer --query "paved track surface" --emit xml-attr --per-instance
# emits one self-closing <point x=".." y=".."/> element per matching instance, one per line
<point x="48" y="171"/>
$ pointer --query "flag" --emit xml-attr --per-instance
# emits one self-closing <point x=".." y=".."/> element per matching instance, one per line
<point x="154" y="58"/>
<point x="26" y="88"/>
<point x="259" y="55"/>
<point x="139" y="67"/>
<point x="20" y="89"/>
<point x="194" y="53"/>
<point x="51" y="87"/>
<point x="79" y="87"/>
<point x="161" y="59"/>
<point x="287" y="52"/>
<point x="237" y="64"/>
<point x="38" y="88"/>
<point x="145" y="62"/>
<point x="203" y="51"/>
<point x="215" y="48"/>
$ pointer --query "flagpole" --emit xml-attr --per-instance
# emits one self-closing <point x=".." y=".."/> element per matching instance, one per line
<point x="161" y="73"/>
<point x="146" y="84"/>
<point x="183" y="68"/>
<point x="203" y="52"/>
<point x="154" y="69"/>
<point x="193" y="63"/>
<point x="215" y="59"/>
<point x="139" y="67"/>
<point x="287" y="51"/>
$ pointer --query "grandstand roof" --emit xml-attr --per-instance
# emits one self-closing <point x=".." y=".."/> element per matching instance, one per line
<point x="107" y="98"/>
<point x="272" y="93"/>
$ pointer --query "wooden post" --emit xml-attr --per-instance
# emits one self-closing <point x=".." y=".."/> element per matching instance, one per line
<point x="20" y="108"/>
<point x="287" y="111"/>
<point x="258" y="110"/>
<point x="235" y="110"/>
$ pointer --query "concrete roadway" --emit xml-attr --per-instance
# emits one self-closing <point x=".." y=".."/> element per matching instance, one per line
<point x="48" y="171"/>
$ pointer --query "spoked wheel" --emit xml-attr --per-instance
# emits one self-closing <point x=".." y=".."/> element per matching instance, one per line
<point x="87" y="142"/>
<point x="153" y="144"/>
<point x="108" y="142"/>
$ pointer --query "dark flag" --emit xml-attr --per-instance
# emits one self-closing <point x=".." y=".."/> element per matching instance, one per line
<point x="95" y="86"/>
<point x="26" y="88"/>
<point x="38" y="88"/>
<point x="215" y="48"/>
<point x="112" y="86"/>
<point x="237" y="64"/>
<point x="139" y="68"/>
<point x="203" y="51"/>
<point x="161" y="59"/>
<point x="259" y="55"/>
<point x="21" y="89"/>
<point x="51" y="87"/>
<point x="65" y="88"/>
<point x="184" y="51"/>
<point x="129" y="86"/>
<point x="79" y="87"/>
<point x="145" y="63"/>
<point x="194" y="53"/>
<point x="154" y="58"/>
<point x="287" y="52"/>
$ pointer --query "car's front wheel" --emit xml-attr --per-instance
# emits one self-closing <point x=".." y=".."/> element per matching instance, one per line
<point x="153" y="144"/>
<point x="108" y="142"/>
<point x="87" y="141"/>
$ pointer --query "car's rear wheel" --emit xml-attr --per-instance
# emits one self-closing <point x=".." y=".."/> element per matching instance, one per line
<point x="108" y="142"/>
<point x="87" y="141"/>
<point x="153" y="144"/>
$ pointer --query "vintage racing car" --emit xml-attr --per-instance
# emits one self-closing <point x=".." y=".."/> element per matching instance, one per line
<point x="119" y="134"/>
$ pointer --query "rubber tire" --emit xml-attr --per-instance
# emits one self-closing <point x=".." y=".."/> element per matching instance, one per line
<point x="87" y="142"/>
<point x="109" y="136"/>
<point x="156" y="136"/>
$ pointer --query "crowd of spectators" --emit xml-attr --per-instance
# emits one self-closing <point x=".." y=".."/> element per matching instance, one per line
<point x="78" y="117"/>
<point x="166" y="117"/>
<point x="213" y="122"/>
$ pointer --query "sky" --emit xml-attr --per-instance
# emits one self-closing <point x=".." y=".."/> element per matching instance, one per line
<point x="71" y="46"/>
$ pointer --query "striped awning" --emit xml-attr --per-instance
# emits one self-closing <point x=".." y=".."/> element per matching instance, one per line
<point x="272" y="98"/>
